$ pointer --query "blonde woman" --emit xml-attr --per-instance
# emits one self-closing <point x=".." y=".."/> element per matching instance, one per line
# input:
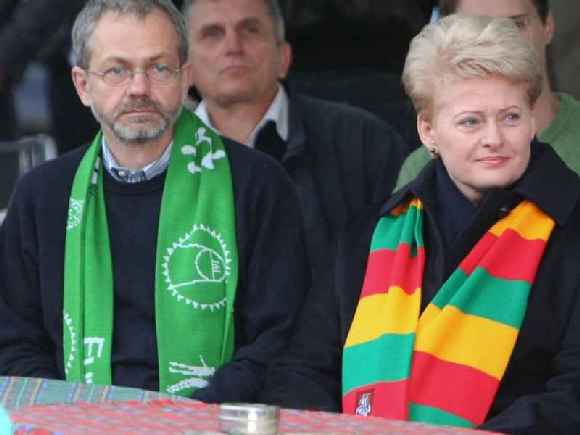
<point x="456" y="301"/>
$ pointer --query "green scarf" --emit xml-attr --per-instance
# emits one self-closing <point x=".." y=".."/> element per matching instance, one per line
<point x="196" y="268"/>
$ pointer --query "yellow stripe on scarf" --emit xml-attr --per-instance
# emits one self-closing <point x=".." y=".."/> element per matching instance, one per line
<point x="402" y="208"/>
<point x="491" y="351"/>
<point x="531" y="223"/>
<point x="385" y="313"/>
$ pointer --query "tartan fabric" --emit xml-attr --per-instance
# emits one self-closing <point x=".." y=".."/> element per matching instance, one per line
<point x="17" y="392"/>
<point x="189" y="417"/>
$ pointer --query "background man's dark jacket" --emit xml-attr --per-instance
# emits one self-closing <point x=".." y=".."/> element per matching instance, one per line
<point x="341" y="159"/>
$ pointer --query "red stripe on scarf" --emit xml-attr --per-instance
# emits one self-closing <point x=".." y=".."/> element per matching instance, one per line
<point x="451" y="387"/>
<point x="405" y="271"/>
<point x="388" y="400"/>
<point x="494" y="262"/>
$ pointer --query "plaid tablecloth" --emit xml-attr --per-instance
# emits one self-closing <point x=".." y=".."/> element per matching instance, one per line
<point x="189" y="417"/>
<point x="50" y="407"/>
<point x="18" y="392"/>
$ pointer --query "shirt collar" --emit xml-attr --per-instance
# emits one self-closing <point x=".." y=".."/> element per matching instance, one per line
<point x="126" y="175"/>
<point x="277" y="112"/>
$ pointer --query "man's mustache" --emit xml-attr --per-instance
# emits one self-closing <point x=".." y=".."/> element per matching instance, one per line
<point x="143" y="104"/>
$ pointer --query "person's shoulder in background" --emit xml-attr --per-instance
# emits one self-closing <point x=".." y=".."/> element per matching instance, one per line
<point x="412" y="165"/>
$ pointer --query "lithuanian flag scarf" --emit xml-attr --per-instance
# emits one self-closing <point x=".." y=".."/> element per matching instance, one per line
<point x="442" y="366"/>
<point x="196" y="266"/>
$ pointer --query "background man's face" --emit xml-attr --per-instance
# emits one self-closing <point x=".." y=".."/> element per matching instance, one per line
<point x="524" y="14"/>
<point x="235" y="54"/>
<point x="141" y="110"/>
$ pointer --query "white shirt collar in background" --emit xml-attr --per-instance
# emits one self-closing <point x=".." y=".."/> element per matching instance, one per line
<point x="277" y="112"/>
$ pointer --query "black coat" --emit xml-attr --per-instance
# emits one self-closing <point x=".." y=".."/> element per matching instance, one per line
<point x="29" y="26"/>
<point x="539" y="393"/>
<point x="29" y="30"/>
<point x="341" y="159"/>
<point x="338" y="34"/>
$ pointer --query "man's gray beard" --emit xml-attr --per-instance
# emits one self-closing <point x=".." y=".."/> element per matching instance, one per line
<point x="129" y="134"/>
<point x="136" y="134"/>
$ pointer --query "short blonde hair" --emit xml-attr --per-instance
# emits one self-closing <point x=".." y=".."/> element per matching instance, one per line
<point x="462" y="47"/>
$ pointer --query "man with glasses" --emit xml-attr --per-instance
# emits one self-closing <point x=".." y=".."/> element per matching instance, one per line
<point x="162" y="256"/>
<point x="556" y="114"/>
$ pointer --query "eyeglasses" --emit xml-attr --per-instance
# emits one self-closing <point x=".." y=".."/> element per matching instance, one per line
<point x="158" y="73"/>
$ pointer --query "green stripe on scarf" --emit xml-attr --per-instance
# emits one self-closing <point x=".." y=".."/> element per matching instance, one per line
<point x="371" y="353"/>
<point x="395" y="230"/>
<point x="486" y="305"/>
<point x="196" y="266"/>
<point x="467" y="310"/>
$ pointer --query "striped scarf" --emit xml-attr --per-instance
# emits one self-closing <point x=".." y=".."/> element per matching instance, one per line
<point x="442" y="366"/>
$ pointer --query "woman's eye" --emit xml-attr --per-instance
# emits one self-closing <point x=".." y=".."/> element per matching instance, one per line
<point x="469" y="122"/>
<point x="512" y="118"/>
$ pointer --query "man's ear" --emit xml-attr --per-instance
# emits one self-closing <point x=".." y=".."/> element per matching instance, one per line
<point x="285" y="60"/>
<point x="186" y="79"/>
<point x="549" y="28"/>
<point x="80" y="80"/>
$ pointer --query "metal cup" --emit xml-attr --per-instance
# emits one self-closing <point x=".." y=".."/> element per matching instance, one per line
<point x="249" y="419"/>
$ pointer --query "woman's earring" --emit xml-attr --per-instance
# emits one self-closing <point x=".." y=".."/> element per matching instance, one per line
<point x="433" y="150"/>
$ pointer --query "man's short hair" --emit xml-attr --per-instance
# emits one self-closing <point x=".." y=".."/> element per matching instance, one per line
<point x="272" y="6"/>
<point x="448" y="7"/>
<point x="88" y="18"/>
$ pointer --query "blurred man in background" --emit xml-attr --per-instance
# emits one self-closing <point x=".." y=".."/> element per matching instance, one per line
<point x="341" y="158"/>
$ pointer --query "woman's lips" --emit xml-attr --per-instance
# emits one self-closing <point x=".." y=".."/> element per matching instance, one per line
<point x="494" y="160"/>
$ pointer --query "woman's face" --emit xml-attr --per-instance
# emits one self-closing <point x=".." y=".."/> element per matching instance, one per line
<point x="482" y="129"/>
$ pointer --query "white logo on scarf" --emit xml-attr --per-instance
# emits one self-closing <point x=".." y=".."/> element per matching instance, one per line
<point x="210" y="265"/>
<point x="364" y="404"/>
<point x="198" y="376"/>
<point x="207" y="161"/>
<point x="68" y="324"/>
<point x="95" y="174"/>
<point x="93" y="350"/>
<point x="75" y="213"/>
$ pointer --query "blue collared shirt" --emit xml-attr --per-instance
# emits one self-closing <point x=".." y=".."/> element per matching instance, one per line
<point x="126" y="175"/>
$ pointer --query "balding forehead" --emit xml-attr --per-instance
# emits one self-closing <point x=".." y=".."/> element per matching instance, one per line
<point x="203" y="12"/>
<point x="496" y="8"/>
